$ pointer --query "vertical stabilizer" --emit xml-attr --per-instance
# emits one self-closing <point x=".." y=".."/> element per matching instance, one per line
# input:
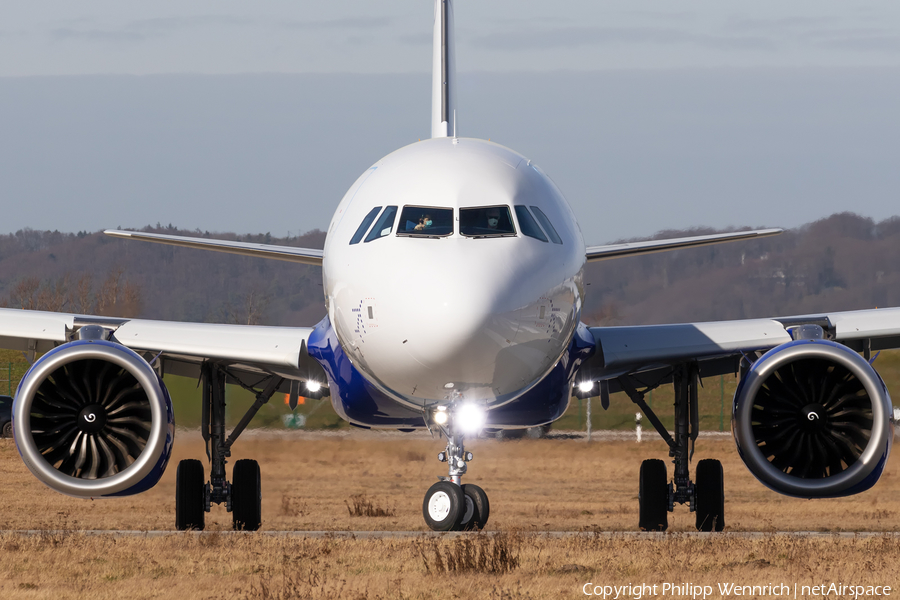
<point x="443" y="78"/>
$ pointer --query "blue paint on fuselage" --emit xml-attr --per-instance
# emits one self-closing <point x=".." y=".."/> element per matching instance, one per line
<point x="357" y="400"/>
<point x="548" y="400"/>
<point x="353" y="397"/>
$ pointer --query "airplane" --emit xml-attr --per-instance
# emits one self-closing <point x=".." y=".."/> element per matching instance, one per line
<point x="453" y="281"/>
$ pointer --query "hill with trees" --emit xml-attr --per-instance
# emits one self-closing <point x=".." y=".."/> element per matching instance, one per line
<point x="843" y="262"/>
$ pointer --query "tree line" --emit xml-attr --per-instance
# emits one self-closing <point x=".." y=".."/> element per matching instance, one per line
<point x="843" y="262"/>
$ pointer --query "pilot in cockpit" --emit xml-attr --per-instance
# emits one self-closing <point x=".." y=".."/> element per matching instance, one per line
<point x="493" y="218"/>
<point x="424" y="223"/>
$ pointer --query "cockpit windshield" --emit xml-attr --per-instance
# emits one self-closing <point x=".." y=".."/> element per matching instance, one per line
<point x="486" y="221"/>
<point x="425" y="221"/>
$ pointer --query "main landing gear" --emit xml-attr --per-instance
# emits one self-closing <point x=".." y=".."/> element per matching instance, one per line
<point x="242" y="497"/>
<point x="449" y="504"/>
<point x="657" y="496"/>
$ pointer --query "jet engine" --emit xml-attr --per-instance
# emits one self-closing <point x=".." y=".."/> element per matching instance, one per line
<point x="91" y="418"/>
<point x="813" y="419"/>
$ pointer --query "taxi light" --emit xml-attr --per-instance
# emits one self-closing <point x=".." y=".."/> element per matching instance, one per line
<point x="440" y="417"/>
<point x="470" y="417"/>
<point x="585" y="386"/>
<point x="313" y="386"/>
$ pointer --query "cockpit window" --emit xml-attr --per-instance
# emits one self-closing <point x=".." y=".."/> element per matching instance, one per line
<point x="547" y="225"/>
<point x="425" y="221"/>
<point x="364" y="226"/>
<point x="528" y="225"/>
<point x="384" y="224"/>
<point x="486" y="221"/>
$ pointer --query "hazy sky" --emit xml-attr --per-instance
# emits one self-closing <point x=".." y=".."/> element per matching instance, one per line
<point x="60" y="37"/>
<point x="257" y="116"/>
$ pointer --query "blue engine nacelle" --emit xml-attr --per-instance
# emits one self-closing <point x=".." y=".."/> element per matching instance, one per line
<point x="91" y="419"/>
<point x="813" y="419"/>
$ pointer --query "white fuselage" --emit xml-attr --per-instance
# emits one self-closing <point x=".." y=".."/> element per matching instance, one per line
<point x="427" y="319"/>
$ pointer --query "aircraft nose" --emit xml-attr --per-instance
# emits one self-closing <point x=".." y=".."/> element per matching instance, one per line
<point x="459" y="327"/>
<point x="454" y="327"/>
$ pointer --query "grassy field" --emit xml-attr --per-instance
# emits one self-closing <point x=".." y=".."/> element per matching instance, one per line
<point x="311" y="479"/>
<point x="559" y="485"/>
<point x="714" y="402"/>
<point x="515" y="566"/>
<point x="534" y="485"/>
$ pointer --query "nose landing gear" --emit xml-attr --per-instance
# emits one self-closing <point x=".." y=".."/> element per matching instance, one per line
<point x="449" y="504"/>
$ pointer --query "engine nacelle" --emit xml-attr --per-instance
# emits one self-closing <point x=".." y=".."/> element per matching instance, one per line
<point x="91" y="419"/>
<point x="813" y="419"/>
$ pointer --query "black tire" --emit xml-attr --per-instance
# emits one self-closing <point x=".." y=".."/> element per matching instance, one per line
<point x="443" y="506"/>
<point x="709" y="489"/>
<point x="190" y="496"/>
<point x="246" y="496"/>
<point x="477" y="509"/>
<point x="653" y="496"/>
<point x="7" y="430"/>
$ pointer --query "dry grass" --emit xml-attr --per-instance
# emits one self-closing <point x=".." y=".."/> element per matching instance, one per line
<point x="361" y="505"/>
<point x="479" y="553"/>
<point x="250" y="566"/>
<point x="533" y="485"/>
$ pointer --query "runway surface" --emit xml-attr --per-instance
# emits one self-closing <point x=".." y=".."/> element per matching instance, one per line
<point x="432" y="534"/>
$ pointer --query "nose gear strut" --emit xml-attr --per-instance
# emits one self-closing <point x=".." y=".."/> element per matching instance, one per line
<point x="451" y="505"/>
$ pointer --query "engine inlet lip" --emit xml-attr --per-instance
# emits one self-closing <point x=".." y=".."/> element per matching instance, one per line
<point x="86" y="350"/>
<point x="774" y="477"/>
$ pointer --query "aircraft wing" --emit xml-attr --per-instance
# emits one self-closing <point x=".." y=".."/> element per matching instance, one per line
<point x="308" y="256"/>
<point x="595" y="253"/>
<point x="719" y="346"/>
<point x="181" y="347"/>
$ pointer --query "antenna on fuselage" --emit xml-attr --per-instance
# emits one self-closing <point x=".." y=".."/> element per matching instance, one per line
<point x="443" y="77"/>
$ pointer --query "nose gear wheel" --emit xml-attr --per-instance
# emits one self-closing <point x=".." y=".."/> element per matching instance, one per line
<point x="443" y="506"/>
<point x="450" y="505"/>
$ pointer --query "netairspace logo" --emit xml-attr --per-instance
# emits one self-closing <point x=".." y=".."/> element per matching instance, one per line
<point x="638" y="591"/>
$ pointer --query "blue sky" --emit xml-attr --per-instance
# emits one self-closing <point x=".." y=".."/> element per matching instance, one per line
<point x="648" y="115"/>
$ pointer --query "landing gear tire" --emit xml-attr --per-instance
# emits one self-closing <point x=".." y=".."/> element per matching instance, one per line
<point x="710" y="494"/>
<point x="7" y="430"/>
<point x="653" y="496"/>
<point x="444" y="506"/>
<point x="246" y="496"/>
<point x="190" y="496"/>
<point x="477" y="508"/>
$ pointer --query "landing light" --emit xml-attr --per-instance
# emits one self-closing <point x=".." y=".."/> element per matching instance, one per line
<point x="470" y="417"/>
<point x="585" y="386"/>
<point x="313" y="386"/>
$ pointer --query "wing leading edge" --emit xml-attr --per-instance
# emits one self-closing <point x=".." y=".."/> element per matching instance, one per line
<point x="182" y="347"/>
<point x="622" y="350"/>
<point x="307" y="256"/>
<point x="595" y="253"/>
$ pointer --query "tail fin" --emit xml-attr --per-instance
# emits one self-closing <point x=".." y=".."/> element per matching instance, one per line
<point x="443" y="78"/>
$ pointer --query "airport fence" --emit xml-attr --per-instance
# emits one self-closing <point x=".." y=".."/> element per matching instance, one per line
<point x="714" y="400"/>
<point x="11" y="374"/>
